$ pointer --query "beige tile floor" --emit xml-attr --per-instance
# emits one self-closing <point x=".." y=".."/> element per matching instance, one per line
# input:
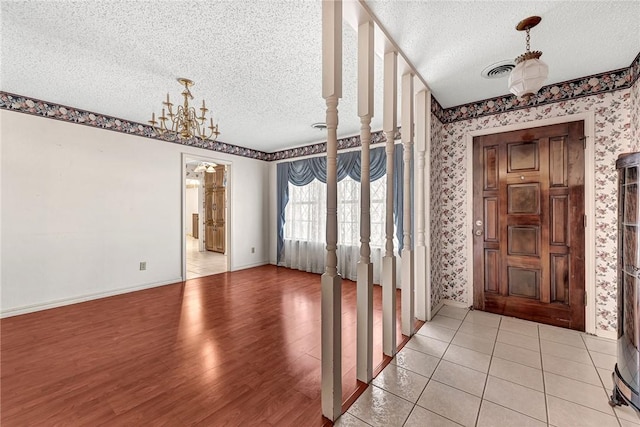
<point x="473" y="368"/>
<point x="201" y="264"/>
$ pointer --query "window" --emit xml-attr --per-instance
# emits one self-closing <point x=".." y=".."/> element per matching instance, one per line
<point x="305" y="214"/>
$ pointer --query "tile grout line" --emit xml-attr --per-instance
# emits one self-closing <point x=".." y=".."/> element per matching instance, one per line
<point x="542" y="370"/>
<point x="544" y="383"/>
<point x="436" y="367"/>
<point x="486" y="380"/>
<point x="613" y="409"/>
<point x="511" y="361"/>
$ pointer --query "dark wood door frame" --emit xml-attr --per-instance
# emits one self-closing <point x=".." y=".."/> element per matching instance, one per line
<point x="589" y="197"/>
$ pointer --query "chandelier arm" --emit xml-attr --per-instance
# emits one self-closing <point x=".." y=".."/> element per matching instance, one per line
<point x="185" y="120"/>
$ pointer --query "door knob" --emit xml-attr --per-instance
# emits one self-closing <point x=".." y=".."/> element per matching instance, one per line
<point x="478" y="232"/>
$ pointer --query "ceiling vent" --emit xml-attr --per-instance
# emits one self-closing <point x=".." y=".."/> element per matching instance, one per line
<point x="498" y="70"/>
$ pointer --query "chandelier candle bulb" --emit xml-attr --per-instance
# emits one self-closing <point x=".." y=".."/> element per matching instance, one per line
<point x="185" y="122"/>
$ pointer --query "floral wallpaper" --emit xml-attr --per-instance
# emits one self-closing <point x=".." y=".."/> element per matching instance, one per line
<point x="436" y="214"/>
<point x="635" y="116"/>
<point x="449" y="192"/>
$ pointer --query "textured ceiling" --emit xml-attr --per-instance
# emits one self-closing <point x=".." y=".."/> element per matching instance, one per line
<point x="258" y="63"/>
<point x="451" y="42"/>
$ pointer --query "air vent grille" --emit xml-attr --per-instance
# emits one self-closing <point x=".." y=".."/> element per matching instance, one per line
<point x="498" y="70"/>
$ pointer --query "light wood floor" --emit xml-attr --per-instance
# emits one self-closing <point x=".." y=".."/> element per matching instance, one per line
<point x="238" y="348"/>
<point x="200" y="264"/>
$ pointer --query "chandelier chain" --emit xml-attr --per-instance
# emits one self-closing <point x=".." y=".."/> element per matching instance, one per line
<point x="528" y="40"/>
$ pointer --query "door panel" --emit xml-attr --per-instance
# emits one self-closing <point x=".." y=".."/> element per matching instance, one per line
<point x="523" y="156"/>
<point x="219" y="199"/>
<point x="491" y="219"/>
<point x="528" y="224"/>
<point x="523" y="198"/>
<point x="209" y="226"/>
<point x="492" y="267"/>
<point x="215" y="208"/>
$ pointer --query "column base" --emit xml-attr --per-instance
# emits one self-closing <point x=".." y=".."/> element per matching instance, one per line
<point x="422" y="291"/>
<point x="408" y="289"/>
<point x="364" y="356"/>
<point x="331" y="326"/>
<point x="389" y="340"/>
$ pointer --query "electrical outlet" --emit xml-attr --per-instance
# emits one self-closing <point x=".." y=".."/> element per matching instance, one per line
<point x="253" y="250"/>
<point x="143" y="265"/>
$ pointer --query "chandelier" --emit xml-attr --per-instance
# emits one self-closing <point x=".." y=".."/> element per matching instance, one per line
<point x="208" y="167"/>
<point x="530" y="72"/>
<point x="185" y="121"/>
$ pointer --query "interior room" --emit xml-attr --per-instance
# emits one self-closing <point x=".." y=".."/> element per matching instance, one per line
<point x="205" y="257"/>
<point x="319" y="212"/>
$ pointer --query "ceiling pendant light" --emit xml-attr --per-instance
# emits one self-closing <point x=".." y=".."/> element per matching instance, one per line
<point x="205" y="167"/>
<point x="530" y="72"/>
<point x="185" y="121"/>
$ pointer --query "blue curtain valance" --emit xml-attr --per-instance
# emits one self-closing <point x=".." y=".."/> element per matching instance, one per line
<point x="302" y="172"/>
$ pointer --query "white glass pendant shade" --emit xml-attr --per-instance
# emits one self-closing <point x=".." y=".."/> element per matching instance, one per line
<point x="528" y="77"/>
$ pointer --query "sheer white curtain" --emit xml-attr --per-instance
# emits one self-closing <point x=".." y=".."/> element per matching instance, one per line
<point x="304" y="228"/>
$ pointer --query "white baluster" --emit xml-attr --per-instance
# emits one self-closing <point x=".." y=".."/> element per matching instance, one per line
<point x="364" y="366"/>
<point x="390" y="102"/>
<point x="408" y="299"/>
<point x="331" y="281"/>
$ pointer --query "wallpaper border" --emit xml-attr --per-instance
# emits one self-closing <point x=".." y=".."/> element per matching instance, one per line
<point x="595" y="84"/>
<point x="50" y="110"/>
<point x="572" y="89"/>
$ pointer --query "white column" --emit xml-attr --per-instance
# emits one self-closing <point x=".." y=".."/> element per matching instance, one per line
<point x="389" y="126"/>
<point x="364" y="370"/>
<point x="422" y="259"/>
<point x="331" y="281"/>
<point x="408" y="285"/>
<point x="427" y="205"/>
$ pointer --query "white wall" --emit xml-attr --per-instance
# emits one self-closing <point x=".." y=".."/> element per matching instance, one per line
<point x="191" y="204"/>
<point x="273" y="214"/>
<point x="81" y="207"/>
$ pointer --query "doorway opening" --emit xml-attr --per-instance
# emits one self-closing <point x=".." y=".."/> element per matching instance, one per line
<point x="205" y="217"/>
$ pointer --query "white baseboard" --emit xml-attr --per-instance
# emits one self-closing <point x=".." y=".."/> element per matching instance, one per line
<point x="612" y="335"/>
<point x="437" y="308"/>
<point x="244" y="267"/>
<point x="448" y="302"/>
<point x="82" y="298"/>
<point x="455" y="304"/>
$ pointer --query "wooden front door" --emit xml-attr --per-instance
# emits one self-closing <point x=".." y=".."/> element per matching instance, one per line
<point x="215" y="208"/>
<point x="528" y="224"/>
